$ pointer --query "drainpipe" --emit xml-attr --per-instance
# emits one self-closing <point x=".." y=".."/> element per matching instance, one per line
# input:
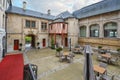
<point x="6" y="33"/>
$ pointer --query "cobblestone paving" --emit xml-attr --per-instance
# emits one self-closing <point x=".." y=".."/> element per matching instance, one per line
<point x="49" y="65"/>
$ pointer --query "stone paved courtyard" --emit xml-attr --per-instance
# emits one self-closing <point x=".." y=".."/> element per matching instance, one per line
<point x="49" y="67"/>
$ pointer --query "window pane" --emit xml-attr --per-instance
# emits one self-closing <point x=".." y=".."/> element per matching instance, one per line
<point x="33" y="24"/>
<point x="43" y="26"/>
<point x="82" y="31"/>
<point x="110" y="30"/>
<point x="27" y="23"/>
<point x="94" y="31"/>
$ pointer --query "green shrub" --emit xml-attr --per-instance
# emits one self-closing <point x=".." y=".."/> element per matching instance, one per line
<point x="59" y="49"/>
<point x="52" y="44"/>
<point x="99" y="47"/>
<point x="118" y="49"/>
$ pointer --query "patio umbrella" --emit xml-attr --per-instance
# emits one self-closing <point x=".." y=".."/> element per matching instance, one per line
<point x="88" y="66"/>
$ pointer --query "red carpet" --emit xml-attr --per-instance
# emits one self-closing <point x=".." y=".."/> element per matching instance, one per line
<point x="11" y="67"/>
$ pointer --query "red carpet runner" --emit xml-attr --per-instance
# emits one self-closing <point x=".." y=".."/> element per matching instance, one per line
<point x="11" y="67"/>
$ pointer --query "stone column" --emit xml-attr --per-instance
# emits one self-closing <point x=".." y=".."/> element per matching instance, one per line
<point x="101" y="30"/>
<point x="118" y="29"/>
<point x="87" y="31"/>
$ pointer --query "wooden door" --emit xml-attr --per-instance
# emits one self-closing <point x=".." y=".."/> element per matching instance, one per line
<point x="16" y="44"/>
<point x="44" y="42"/>
<point x="66" y="42"/>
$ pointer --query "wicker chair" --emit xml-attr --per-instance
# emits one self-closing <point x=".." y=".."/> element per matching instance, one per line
<point x="114" y="60"/>
<point x="104" y="65"/>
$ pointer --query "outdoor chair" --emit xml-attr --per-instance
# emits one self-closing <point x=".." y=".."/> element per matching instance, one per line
<point x="114" y="60"/>
<point x="99" y="57"/>
<point x="72" y="54"/>
<point x="104" y="65"/>
<point x="69" y="58"/>
<point x="107" y="77"/>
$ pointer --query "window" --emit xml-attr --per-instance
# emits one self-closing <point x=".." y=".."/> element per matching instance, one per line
<point x="94" y="30"/>
<point x="83" y="31"/>
<point x="27" y="23"/>
<point x="63" y="26"/>
<point x="31" y="24"/>
<point x="43" y="26"/>
<point x="110" y="30"/>
<point x="51" y="27"/>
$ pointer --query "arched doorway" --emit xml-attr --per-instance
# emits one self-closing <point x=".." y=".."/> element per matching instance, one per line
<point x="30" y="41"/>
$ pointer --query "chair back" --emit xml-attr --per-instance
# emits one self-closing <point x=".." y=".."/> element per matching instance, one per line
<point x="101" y="64"/>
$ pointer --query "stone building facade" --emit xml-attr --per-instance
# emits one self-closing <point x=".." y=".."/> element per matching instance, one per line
<point x="97" y="24"/>
<point x="4" y="4"/>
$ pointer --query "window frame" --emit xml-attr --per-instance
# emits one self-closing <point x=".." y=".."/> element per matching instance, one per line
<point x="93" y="32"/>
<point x="107" y="31"/>
<point x="30" y="23"/>
<point x="43" y="26"/>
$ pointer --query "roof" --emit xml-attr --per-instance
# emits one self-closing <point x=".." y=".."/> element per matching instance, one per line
<point x="64" y="15"/>
<point x="98" y="8"/>
<point x="20" y="11"/>
<point x="58" y="20"/>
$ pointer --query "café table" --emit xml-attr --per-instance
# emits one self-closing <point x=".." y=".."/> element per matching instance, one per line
<point x="99" y="69"/>
<point x="106" y="56"/>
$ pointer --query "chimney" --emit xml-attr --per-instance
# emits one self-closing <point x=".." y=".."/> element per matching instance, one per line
<point x="24" y="5"/>
<point x="49" y="12"/>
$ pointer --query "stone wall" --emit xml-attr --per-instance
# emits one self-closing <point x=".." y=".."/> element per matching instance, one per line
<point x="16" y="29"/>
<point x="101" y="20"/>
<point x="95" y="42"/>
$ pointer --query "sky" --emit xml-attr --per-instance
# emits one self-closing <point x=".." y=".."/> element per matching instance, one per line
<point x="56" y="6"/>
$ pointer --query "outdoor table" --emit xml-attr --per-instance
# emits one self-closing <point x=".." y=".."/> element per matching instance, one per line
<point x="12" y="67"/>
<point x="106" y="56"/>
<point x="99" y="69"/>
<point x="66" y="53"/>
<point x="104" y="49"/>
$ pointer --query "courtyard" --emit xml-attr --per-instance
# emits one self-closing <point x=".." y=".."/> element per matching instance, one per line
<point x="49" y="67"/>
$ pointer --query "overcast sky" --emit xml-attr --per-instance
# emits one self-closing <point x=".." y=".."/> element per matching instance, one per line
<point x="56" y="6"/>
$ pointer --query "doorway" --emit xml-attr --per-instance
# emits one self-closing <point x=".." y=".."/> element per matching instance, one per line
<point x="44" y="42"/>
<point x="66" y="42"/>
<point x="16" y="44"/>
<point x="30" y="41"/>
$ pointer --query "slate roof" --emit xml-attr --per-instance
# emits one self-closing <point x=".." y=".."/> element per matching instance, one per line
<point x="20" y="11"/>
<point x="58" y="20"/>
<point x="64" y="15"/>
<point x="98" y="8"/>
<point x="91" y="10"/>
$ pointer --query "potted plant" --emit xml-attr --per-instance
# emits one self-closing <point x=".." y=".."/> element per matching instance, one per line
<point x="38" y="45"/>
<point x="52" y="44"/>
<point x="20" y="46"/>
<point x="118" y="50"/>
<point x="58" y="50"/>
<point x="99" y="47"/>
